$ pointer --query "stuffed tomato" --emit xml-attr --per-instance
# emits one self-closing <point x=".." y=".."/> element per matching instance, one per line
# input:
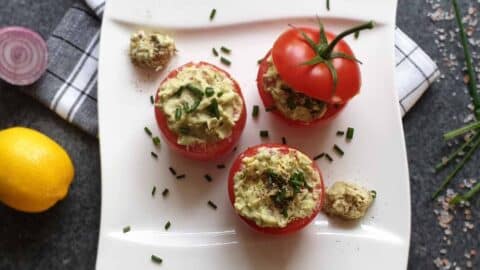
<point x="275" y="189"/>
<point x="309" y="75"/>
<point x="200" y="110"/>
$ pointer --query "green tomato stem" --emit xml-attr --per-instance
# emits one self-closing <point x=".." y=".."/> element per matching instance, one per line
<point x="328" y="51"/>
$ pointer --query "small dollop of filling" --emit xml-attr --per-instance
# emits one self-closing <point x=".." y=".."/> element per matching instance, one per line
<point x="348" y="200"/>
<point x="273" y="188"/>
<point x="151" y="50"/>
<point x="292" y="104"/>
<point x="201" y="105"/>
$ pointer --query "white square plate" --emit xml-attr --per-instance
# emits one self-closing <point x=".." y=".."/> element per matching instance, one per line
<point x="203" y="238"/>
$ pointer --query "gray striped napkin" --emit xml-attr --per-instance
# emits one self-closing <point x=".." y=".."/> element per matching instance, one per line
<point x="70" y="85"/>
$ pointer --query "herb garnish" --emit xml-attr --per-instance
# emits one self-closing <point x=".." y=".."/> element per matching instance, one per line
<point x="147" y="130"/>
<point x="156" y="141"/>
<point x="350" y="132"/>
<point x="264" y="133"/>
<point x="181" y="176"/>
<point x="356" y="35"/>
<point x="208" y="177"/>
<point x="225" y="61"/>
<point x="373" y="193"/>
<point x="259" y="61"/>
<point x="212" y="14"/>
<point x="340" y="133"/>
<point x="209" y="91"/>
<point x="154" y="155"/>
<point x="165" y="192"/>
<point x="255" y="111"/>
<point x="154" y="189"/>
<point x="284" y="141"/>
<point x="215" y="52"/>
<point x="156" y="259"/>
<point x="178" y="113"/>
<point x="167" y="225"/>
<point x="338" y="150"/>
<point x="225" y="50"/>
<point x="328" y="4"/>
<point x="126" y="229"/>
<point x="221" y="166"/>
<point x="184" y="130"/>
<point x="329" y="157"/>
<point x="319" y="156"/>
<point x="152" y="100"/>
<point x="214" y="206"/>
<point x="172" y="170"/>
<point x="271" y="108"/>
<point x="213" y="108"/>
<point x="297" y="181"/>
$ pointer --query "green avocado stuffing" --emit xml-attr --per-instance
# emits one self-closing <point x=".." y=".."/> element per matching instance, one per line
<point x="201" y="105"/>
<point x="292" y="104"/>
<point x="273" y="188"/>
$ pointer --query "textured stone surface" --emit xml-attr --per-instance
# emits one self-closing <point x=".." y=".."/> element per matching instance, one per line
<point x="66" y="236"/>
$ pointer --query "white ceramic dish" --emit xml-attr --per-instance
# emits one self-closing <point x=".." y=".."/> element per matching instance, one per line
<point x="202" y="238"/>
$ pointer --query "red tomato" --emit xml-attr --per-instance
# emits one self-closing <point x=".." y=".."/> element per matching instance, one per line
<point x="294" y="225"/>
<point x="290" y="51"/>
<point x="202" y="152"/>
<point x="268" y="102"/>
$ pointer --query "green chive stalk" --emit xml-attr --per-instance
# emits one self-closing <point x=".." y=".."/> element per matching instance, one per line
<point x="457" y="132"/>
<point x="467" y="196"/>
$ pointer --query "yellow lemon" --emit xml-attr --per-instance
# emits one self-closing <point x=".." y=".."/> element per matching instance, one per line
<point x="35" y="172"/>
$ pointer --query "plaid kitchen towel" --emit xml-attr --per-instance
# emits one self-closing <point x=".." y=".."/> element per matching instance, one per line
<point x="70" y="85"/>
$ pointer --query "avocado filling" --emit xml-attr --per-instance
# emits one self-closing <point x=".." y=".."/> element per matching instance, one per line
<point x="294" y="105"/>
<point x="273" y="188"/>
<point x="201" y="105"/>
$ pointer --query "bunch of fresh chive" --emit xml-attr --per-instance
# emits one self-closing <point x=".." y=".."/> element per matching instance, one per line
<point x="472" y="144"/>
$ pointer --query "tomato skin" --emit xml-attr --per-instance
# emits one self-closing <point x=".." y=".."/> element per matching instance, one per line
<point x="290" y="51"/>
<point x="291" y="227"/>
<point x="201" y="152"/>
<point x="268" y="102"/>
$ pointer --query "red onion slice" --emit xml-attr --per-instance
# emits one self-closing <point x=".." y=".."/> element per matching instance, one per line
<point x="23" y="55"/>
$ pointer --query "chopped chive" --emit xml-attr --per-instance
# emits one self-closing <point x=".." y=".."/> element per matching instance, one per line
<point x="156" y="259"/>
<point x="356" y="35"/>
<point x="214" y="206"/>
<point x="220" y="94"/>
<point x="154" y="189"/>
<point x="255" y="111"/>
<point x="234" y="149"/>
<point x="225" y="50"/>
<point x="259" y="61"/>
<point x="264" y="133"/>
<point x="184" y="130"/>
<point x="319" y="156"/>
<point x="156" y="141"/>
<point x="215" y="52"/>
<point x="178" y="113"/>
<point x="338" y="150"/>
<point x="284" y="141"/>
<point x="225" y="61"/>
<point x="212" y="14"/>
<point x="154" y="155"/>
<point x="269" y="109"/>
<point x="340" y="133"/>
<point x="208" y="177"/>
<point x="152" y="100"/>
<point x="165" y="192"/>
<point x="350" y="131"/>
<point x="126" y="229"/>
<point x="213" y="108"/>
<point x="374" y="193"/>
<point x="209" y="91"/>
<point x="328" y="4"/>
<point x="329" y="157"/>
<point x="221" y="166"/>
<point x="147" y="130"/>
<point x="172" y="170"/>
<point x="181" y="176"/>
<point x="167" y="225"/>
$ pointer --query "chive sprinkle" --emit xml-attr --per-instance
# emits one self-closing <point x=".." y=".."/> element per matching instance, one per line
<point x="154" y="155"/>
<point x="214" y="206"/>
<point x="255" y="111"/>
<point x="350" y="131"/>
<point x="126" y="229"/>
<point x="209" y="91"/>
<point x="178" y="113"/>
<point x="225" y="50"/>
<point x="172" y="170"/>
<point x="284" y="141"/>
<point x="147" y="130"/>
<point x="264" y="133"/>
<point x="156" y="141"/>
<point x="234" y="149"/>
<point x="212" y="14"/>
<point x="165" y="192"/>
<point x="221" y="166"/>
<point x="215" y="52"/>
<point x="154" y="189"/>
<point x="156" y="259"/>
<point x="208" y="177"/>
<point x="181" y="176"/>
<point x="340" y="133"/>
<point x="151" y="100"/>
<point x="225" y="61"/>
<point x="374" y="193"/>
<point x="338" y="150"/>
<point x="319" y="156"/>
<point x="329" y="157"/>
<point x="269" y="109"/>
<point x="167" y="225"/>
<point x="259" y="61"/>
<point x="328" y="4"/>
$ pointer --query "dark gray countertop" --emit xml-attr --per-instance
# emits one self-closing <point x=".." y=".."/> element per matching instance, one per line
<point x="66" y="236"/>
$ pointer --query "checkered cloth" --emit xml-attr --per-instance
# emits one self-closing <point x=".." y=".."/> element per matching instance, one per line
<point x="70" y="85"/>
